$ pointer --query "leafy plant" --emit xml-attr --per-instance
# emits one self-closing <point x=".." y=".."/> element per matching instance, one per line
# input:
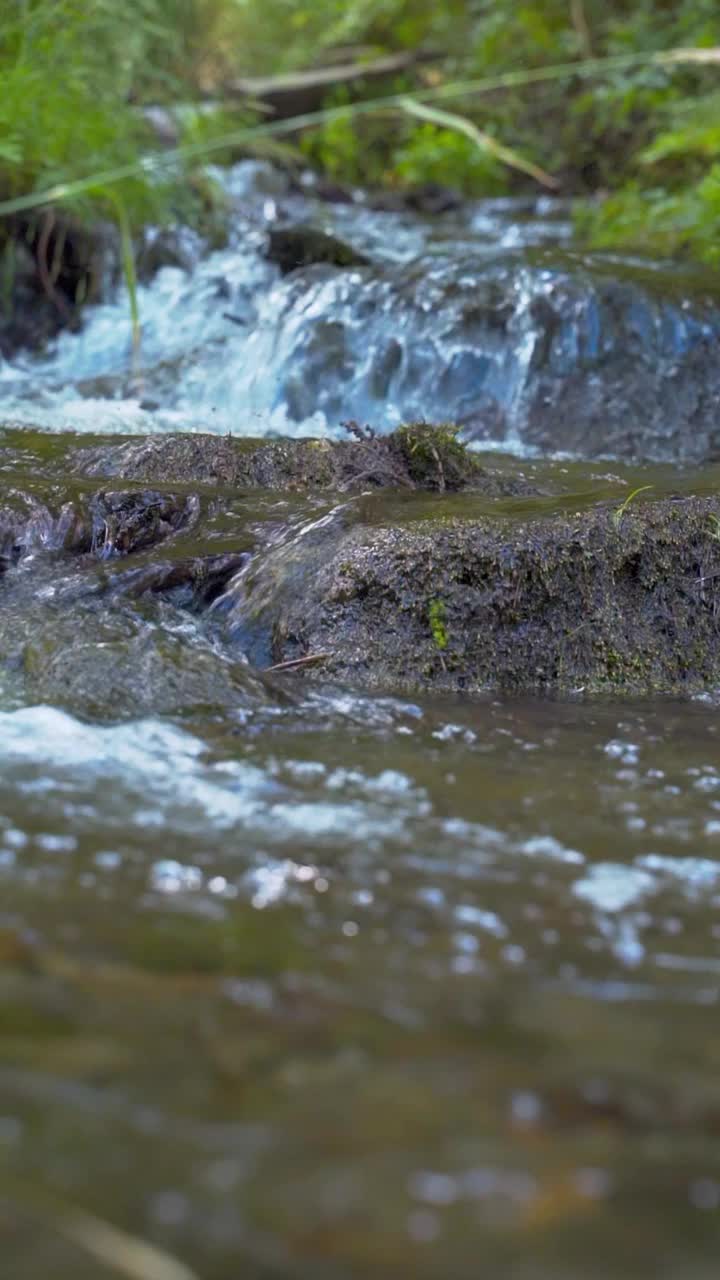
<point x="598" y="95"/>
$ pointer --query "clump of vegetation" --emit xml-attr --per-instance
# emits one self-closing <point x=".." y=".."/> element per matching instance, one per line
<point x="432" y="154"/>
<point x="420" y="455"/>
<point x="434" y="455"/>
<point x="65" y="108"/>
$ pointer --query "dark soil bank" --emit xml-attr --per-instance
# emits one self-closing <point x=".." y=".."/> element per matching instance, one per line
<point x="382" y="594"/>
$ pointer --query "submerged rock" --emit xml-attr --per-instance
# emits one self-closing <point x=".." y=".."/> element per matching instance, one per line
<point x="125" y="662"/>
<point x="195" y="581"/>
<point x="605" y="601"/>
<point x="109" y="639"/>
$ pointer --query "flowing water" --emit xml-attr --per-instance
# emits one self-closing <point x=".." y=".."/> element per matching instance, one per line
<point x="299" y="983"/>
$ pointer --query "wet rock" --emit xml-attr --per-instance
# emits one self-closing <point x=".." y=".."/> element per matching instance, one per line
<point x="27" y="525"/>
<point x="108" y="524"/>
<point x="123" y="522"/>
<point x="167" y="247"/>
<point x="53" y="266"/>
<point x="195" y="581"/>
<point x="428" y="198"/>
<point x="293" y="247"/>
<point x="623" y="367"/>
<point x="414" y="457"/>
<point x="322" y="187"/>
<point x="604" y="601"/>
<point x="103" y="640"/>
<point x="110" y="664"/>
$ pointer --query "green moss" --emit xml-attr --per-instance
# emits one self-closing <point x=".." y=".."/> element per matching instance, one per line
<point x="437" y="615"/>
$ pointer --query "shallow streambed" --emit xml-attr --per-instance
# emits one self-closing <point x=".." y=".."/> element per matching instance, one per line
<point x="364" y="987"/>
<point x="300" y="982"/>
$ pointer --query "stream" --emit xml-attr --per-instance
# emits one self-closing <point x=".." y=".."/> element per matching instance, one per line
<point x="304" y="983"/>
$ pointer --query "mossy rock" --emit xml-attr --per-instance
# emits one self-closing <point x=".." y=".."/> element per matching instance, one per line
<point x="417" y="456"/>
<point x="593" y="603"/>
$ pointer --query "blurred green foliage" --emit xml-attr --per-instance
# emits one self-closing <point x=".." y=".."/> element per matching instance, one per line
<point x="74" y="73"/>
<point x="432" y="154"/>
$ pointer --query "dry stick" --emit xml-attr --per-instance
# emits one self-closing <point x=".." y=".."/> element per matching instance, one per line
<point x="131" y="1256"/>
<point x="582" y="27"/>
<point x="58" y="252"/>
<point x="117" y="1250"/>
<point x="46" y="279"/>
<point x="280" y="93"/>
<point x="481" y="139"/>
<point x="293" y="663"/>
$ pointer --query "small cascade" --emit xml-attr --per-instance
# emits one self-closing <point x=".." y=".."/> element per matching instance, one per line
<point x="483" y="316"/>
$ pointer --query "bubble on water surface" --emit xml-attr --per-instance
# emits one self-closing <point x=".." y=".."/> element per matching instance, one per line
<point x="526" y="1108"/>
<point x="625" y="752"/>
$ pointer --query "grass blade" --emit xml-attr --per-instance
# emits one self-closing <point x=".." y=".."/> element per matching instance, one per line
<point x="620" y="511"/>
<point x="128" y="264"/>
<point x="485" y="141"/>
<point x="130" y="1256"/>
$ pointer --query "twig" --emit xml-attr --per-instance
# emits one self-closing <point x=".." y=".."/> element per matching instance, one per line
<point x="115" y="1249"/>
<point x="293" y="663"/>
<point x="44" y="272"/>
<point x="134" y="1258"/>
<point x="485" y="141"/>
<point x="441" y="470"/>
<point x="582" y="27"/>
